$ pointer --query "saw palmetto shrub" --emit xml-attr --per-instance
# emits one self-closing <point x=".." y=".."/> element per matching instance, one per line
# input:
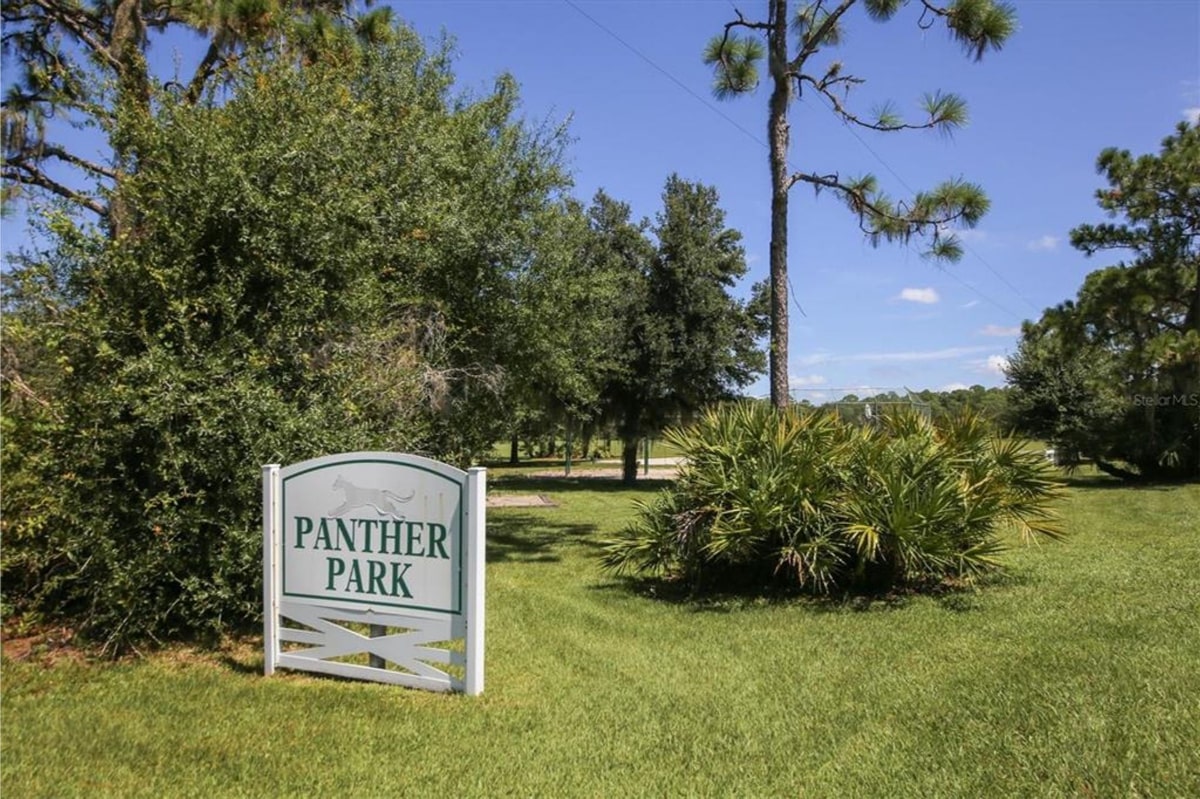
<point x="801" y="498"/>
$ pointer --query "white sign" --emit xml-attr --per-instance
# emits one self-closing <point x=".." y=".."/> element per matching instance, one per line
<point x="383" y="539"/>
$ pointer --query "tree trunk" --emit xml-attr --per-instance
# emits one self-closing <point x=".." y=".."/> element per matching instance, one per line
<point x="1116" y="471"/>
<point x="1193" y="323"/>
<point x="126" y="40"/>
<point x="585" y="451"/>
<point x="629" y="460"/>
<point x="514" y="450"/>
<point x="778" y="135"/>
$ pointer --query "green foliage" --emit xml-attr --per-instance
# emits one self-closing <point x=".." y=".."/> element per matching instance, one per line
<point x="813" y="25"/>
<point x="708" y="337"/>
<point x="1115" y="374"/>
<point x="88" y="62"/>
<point x="882" y="10"/>
<point x="325" y="261"/>
<point x="566" y="316"/>
<point x="989" y="404"/>
<point x="1066" y="397"/>
<point x="805" y="499"/>
<point x="980" y="25"/>
<point x="737" y="57"/>
<point x="687" y="342"/>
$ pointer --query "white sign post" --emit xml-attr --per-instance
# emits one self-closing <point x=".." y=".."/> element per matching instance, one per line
<point x="393" y="542"/>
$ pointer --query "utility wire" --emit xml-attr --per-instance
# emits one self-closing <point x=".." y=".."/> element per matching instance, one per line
<point x="760" y="142"/>
<point x="911" y="190"/>
<point x="716" y="110"/>
<point x="703" y="100"/>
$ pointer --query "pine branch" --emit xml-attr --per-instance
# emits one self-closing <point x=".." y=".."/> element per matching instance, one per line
<point x="55" y="151"/>
<point x="878" y="217"/>
<point x="17" y="170"/>
<point x="75" y="24"/>
<point x="812" y="43"/>
<point x="849" y="116"/>
<point x="733" y="58"/>
<point x="945" y="111"/>
<point x="975" y="24"/>
<point x="1161" y="320"/>
<point x="742" y="22"/>
<point x="855" y="196"/>
<point x="160" y="15"/>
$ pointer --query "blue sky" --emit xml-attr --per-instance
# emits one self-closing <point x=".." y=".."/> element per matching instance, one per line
<point x="1078" y="76"/>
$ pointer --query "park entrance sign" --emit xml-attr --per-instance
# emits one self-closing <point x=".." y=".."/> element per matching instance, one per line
<point x="392" y="545"/>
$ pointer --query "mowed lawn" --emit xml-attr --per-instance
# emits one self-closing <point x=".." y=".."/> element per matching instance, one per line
<point x="1078" y="675"/>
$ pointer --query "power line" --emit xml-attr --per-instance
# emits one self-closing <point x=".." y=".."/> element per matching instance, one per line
<point x="760" y="142"/>
<point x="753" y="137"/>
<point x="910" y="189"/>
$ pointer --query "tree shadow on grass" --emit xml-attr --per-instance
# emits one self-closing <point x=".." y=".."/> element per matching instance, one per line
<point x="532" y="538"/>
<point x="1103" y="482"/>
<point x="242" y="662"/>
<point x="955" y="597"/>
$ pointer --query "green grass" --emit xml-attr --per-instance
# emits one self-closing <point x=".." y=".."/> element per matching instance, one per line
<point x="1076" y="675"/>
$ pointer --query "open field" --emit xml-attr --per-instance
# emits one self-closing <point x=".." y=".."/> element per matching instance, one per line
<point x="1076" y="675"/>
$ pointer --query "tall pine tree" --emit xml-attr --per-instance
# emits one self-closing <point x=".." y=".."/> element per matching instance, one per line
<point x="796" y="46"/>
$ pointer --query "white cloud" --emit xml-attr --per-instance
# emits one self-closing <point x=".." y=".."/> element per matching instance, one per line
<point x="997" y="330"/>
<point x="1044" y="243"/>
<point x="991" y="365"/>
<point x="1192" y="115"/>
<point x="954" y="387"/>
<point x="926" y="296"/>
<point x="946" y="354"/>
<point x="970" y="304"/>
<point x="806" y="381"/>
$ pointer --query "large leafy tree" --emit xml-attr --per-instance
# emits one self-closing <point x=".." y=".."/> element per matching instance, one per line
<point x="689" y="342"/>
<point x="327" y="259"/>
<point x="618" y="246"/>
<point x="566" y="318"/>
<point x="1115" y="374"/>
<point x="797" y="46"/>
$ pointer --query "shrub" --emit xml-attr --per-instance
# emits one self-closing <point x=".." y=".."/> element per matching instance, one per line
<point x="801" y="498"/>
<point x="321" y="259"/>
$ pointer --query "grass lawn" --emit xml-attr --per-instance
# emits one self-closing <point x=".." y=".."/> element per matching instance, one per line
<point x="1077" y="675"/>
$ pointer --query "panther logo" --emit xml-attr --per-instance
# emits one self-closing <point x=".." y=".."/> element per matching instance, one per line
<point x="383" y="501"/>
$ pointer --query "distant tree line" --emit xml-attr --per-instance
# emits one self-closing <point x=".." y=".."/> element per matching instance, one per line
<point x="990" y="404"/>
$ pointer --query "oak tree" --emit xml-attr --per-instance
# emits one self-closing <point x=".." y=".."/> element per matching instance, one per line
<point x="688" y="341"/>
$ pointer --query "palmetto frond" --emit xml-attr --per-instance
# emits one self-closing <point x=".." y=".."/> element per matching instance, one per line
<point x="827" y="505"/>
